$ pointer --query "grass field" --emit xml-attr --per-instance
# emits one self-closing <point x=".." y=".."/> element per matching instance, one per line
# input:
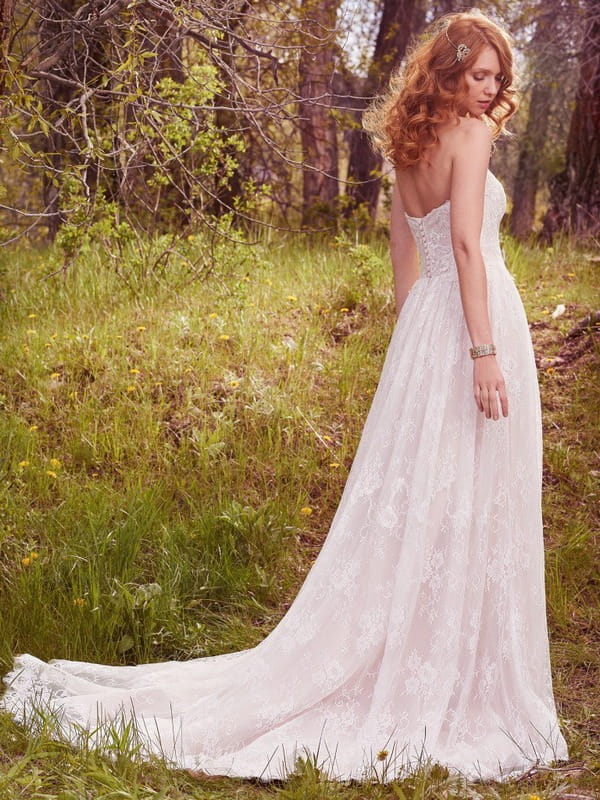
<point x="173" y="450"/>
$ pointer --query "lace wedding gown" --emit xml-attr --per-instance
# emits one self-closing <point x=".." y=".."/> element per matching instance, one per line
<point x="421" y="628"/>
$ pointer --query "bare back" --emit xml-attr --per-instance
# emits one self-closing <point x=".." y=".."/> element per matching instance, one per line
<point x="426" y="185"/>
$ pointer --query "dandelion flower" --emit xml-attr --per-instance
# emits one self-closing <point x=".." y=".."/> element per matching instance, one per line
<point x="141" y="328"/>
<point x="26" y="561"/>
<point x="31" y="316"/>
<point x="55" y="462"/>
<point x="33" y="555"/>
<point x="130" y="389"/>
<point x="550" y="370"/>
<point x="33" y="427"/>
<point x="382" y="755"/>
<point x="51" y="474"/>
<point x="334" y="464"/>
<point x="306" y="511"/>
<point x="327" y="438"/>
<point x="534" y="797"/>
<point x="134" y="371"/>
<point x="224" y="337"/>
<point x="292" y="298"/>
<point x="55" y="376"/>
<point x="23" y="464"/>
<point x="47" y="344"/>
<point x="213" y="315"/>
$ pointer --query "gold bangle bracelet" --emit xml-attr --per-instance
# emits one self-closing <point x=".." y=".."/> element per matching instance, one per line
<point x="479" y="350"/>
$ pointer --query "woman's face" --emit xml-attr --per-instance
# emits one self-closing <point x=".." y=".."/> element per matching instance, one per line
<point x="483" y="80"/>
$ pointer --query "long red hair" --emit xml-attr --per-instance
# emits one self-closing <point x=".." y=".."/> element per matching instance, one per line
<point x="427" y="90"/>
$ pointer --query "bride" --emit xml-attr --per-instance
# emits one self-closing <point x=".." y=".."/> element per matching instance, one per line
<point x="420" y="632"/>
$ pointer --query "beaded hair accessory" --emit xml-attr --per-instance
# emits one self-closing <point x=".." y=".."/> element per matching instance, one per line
<point x="462" y="51"/>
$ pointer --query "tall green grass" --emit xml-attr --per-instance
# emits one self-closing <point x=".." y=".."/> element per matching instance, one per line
<point x="172" y="452"/>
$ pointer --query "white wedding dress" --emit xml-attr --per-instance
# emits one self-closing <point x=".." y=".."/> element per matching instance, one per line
<point x="420" y="630"/>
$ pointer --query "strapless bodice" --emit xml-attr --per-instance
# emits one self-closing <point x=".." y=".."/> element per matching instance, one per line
<point x="434" y="243"/>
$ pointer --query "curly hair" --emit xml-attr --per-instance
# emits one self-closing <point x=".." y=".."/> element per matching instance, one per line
<point x="428" y="89"/>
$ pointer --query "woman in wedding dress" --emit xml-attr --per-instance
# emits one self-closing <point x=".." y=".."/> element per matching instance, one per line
<point x="420" y="631"/>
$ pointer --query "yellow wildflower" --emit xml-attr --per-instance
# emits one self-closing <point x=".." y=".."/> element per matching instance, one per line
<point x="187" y="370"/>
<point x="55" y="462"/>
<point x="534" y="797"/>
<point x="79" y="601"/>
<point x="141" y="328"/>
<point x="306" y="511"/>
<point x="382" y="755"/>
<point x="158" y="383"/>
<point x="54" y="335"/>
<point x="334" y="464"/>
<point x="31" y="316"/>
<point x="33" y="427"/>
<point x="246" y="278"/>
<point x="23" y="464"/>
<point x="73" y="395"/>
<point x="26" y="561"/>
<point x="47" y="344"/>
<point x="234" y="383"/>
<point x="55" y="376"/>
<point x="269" y="282"/>
<point x="131" y="389"/>
<point x="51" y="474"/>
<point x="345" y="310"/>
<point x="292" y="298"/>
<point x="550" y="370"/>
<point x="134" y="371"/>
<point x="31" y="332"/>
<point x="327" y="438"/>
<point x="224" y="337"/>
<point x="34" y="555"/>
<point x="570" y="274"/>
<point x="213" y="315"/>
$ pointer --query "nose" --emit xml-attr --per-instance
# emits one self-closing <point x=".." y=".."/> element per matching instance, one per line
<point x="490" y="87"/>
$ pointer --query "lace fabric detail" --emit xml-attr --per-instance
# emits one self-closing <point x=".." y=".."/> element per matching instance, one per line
<point x="421" y="628"/>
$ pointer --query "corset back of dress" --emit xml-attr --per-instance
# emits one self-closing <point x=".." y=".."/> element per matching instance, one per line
<point x="434" y="241"/>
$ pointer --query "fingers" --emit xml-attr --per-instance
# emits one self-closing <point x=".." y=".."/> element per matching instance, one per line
<point x="492" y="401"/>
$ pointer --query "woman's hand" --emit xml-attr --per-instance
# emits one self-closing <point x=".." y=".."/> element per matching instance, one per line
<point x="488" y="386"/>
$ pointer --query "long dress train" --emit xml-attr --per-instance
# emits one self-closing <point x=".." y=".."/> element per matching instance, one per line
<point x="421" y="627"/>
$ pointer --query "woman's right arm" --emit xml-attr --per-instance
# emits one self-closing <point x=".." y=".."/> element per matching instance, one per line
<point x="403" y="251"/>
<point x="469" y="167"/>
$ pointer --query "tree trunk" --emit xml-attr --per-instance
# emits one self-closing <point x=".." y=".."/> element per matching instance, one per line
<point x="7" y="8"/>
<point x="318" y="133"/>
<point x="400" y="20"/>
<point x="534" y="139"/>
<point x="575" y="192"/>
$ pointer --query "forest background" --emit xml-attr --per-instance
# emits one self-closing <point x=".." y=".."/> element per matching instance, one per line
<point x="196" y="299"/>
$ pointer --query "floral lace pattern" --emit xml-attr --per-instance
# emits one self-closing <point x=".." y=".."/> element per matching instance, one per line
<point x="421" y="627"/>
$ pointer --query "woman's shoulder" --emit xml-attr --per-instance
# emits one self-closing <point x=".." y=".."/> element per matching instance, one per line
<point x="465" y="134"/>
<point x="468" y="128"/>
